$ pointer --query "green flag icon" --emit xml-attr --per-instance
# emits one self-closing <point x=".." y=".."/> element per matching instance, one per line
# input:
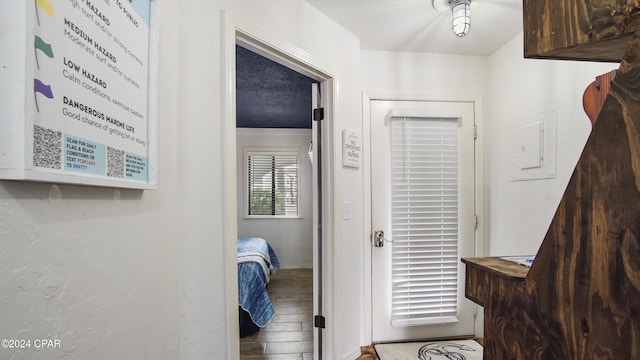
<point x="44" y="47"/>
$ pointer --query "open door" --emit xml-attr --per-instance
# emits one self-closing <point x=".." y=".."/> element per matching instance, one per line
<point x="316" y="160"/>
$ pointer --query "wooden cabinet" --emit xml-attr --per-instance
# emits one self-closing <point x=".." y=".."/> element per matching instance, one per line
<point x="498" y="285"/>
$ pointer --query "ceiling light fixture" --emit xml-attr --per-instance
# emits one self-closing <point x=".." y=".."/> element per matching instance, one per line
<point x="460" y="14"/>
<point x="460" y="17"/>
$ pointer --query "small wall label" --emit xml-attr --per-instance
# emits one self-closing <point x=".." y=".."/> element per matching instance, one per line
<point x="351" y="149"/>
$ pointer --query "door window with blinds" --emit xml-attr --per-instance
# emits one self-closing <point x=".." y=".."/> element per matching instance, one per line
<point x="271" y="184"/>
<point x="424" y="220"/>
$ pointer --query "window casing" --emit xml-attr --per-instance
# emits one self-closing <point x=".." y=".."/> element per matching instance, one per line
<point x="271" y="182"/>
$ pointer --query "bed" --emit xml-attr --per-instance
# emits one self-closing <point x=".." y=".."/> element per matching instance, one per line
<point x="256" y="263"/>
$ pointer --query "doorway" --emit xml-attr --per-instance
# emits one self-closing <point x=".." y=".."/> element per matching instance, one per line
<point x="275" y="205"/>
<point x="322" y="189"/>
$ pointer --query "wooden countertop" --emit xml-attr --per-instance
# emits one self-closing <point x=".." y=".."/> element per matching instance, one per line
<point x="502" y="268"/>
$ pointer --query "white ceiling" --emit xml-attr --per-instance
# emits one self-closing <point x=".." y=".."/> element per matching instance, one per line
<point x="414" y="25"/>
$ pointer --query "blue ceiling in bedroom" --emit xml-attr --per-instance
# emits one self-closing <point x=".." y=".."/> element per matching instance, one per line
<point x="270" y="95"/>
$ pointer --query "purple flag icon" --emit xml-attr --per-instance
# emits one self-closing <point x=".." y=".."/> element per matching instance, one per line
<point x="39" y="86"/>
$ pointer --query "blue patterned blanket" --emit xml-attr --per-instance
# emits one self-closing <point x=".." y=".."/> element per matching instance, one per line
<point x="256" y="263"/>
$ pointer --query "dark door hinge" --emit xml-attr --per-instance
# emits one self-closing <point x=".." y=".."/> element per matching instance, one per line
<point x="318" y="114"/>
<point x="318" y="321"/>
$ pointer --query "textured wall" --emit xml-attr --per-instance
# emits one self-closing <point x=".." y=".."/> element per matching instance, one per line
<point x="270" y="95"/>
<point x="88" y="269"/>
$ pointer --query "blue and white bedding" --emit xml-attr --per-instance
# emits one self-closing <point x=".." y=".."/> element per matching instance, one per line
<point x="256" y="263"/>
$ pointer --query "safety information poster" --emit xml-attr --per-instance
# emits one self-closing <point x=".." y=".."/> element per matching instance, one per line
<point x="91" y="88"/>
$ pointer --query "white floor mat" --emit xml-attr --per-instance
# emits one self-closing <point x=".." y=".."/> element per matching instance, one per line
<point x="433" y="350"/>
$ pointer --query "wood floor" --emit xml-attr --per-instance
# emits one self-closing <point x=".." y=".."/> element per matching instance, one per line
<point x="289" y="336"/>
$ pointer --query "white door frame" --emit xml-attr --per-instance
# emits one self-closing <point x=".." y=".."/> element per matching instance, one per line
<point x="287" y="54"/>
<point x="480" y="250"/>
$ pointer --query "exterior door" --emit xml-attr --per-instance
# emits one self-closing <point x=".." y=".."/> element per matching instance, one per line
<point x="423" y="218"/>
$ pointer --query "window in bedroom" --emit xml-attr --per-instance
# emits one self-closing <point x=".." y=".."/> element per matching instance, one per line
<point x="272" y="182"/>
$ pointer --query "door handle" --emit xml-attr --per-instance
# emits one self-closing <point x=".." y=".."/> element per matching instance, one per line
<point x="378" y="238"/>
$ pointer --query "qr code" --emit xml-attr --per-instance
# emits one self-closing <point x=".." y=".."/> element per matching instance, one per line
<point x="47" y="148"/>
<point x="115" y="162"/>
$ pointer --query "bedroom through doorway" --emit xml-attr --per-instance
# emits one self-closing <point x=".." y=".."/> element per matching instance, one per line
<point x="276" y="207"/>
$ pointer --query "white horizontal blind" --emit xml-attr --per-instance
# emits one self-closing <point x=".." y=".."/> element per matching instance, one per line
<point x="424" y="218"/>
<point x="272" y="184"/>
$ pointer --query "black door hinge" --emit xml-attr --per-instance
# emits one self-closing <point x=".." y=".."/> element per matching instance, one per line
<point x="318" y="321"/>
<point x="318" y="114"/>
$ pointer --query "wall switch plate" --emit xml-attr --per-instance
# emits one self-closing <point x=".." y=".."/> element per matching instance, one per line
<point x="346" y="211"/>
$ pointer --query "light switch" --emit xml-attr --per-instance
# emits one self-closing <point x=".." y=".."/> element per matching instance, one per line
<point x="346" y="211"/>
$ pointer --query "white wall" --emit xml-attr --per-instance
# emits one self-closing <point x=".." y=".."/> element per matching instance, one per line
<point x="292" y="239"/>
<point x="433" y="75"/>
<point x="520" y="212"/>
<point x="147" y="277"/>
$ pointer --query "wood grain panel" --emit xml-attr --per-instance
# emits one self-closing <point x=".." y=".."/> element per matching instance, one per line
<point x="593" y="30"/>
<point x="592" y="296"/>
<point x="481" y="275"/>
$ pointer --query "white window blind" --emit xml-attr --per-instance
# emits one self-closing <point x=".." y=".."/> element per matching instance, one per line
<point x="272" y="180"/>
<point x="424" y="217"/>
